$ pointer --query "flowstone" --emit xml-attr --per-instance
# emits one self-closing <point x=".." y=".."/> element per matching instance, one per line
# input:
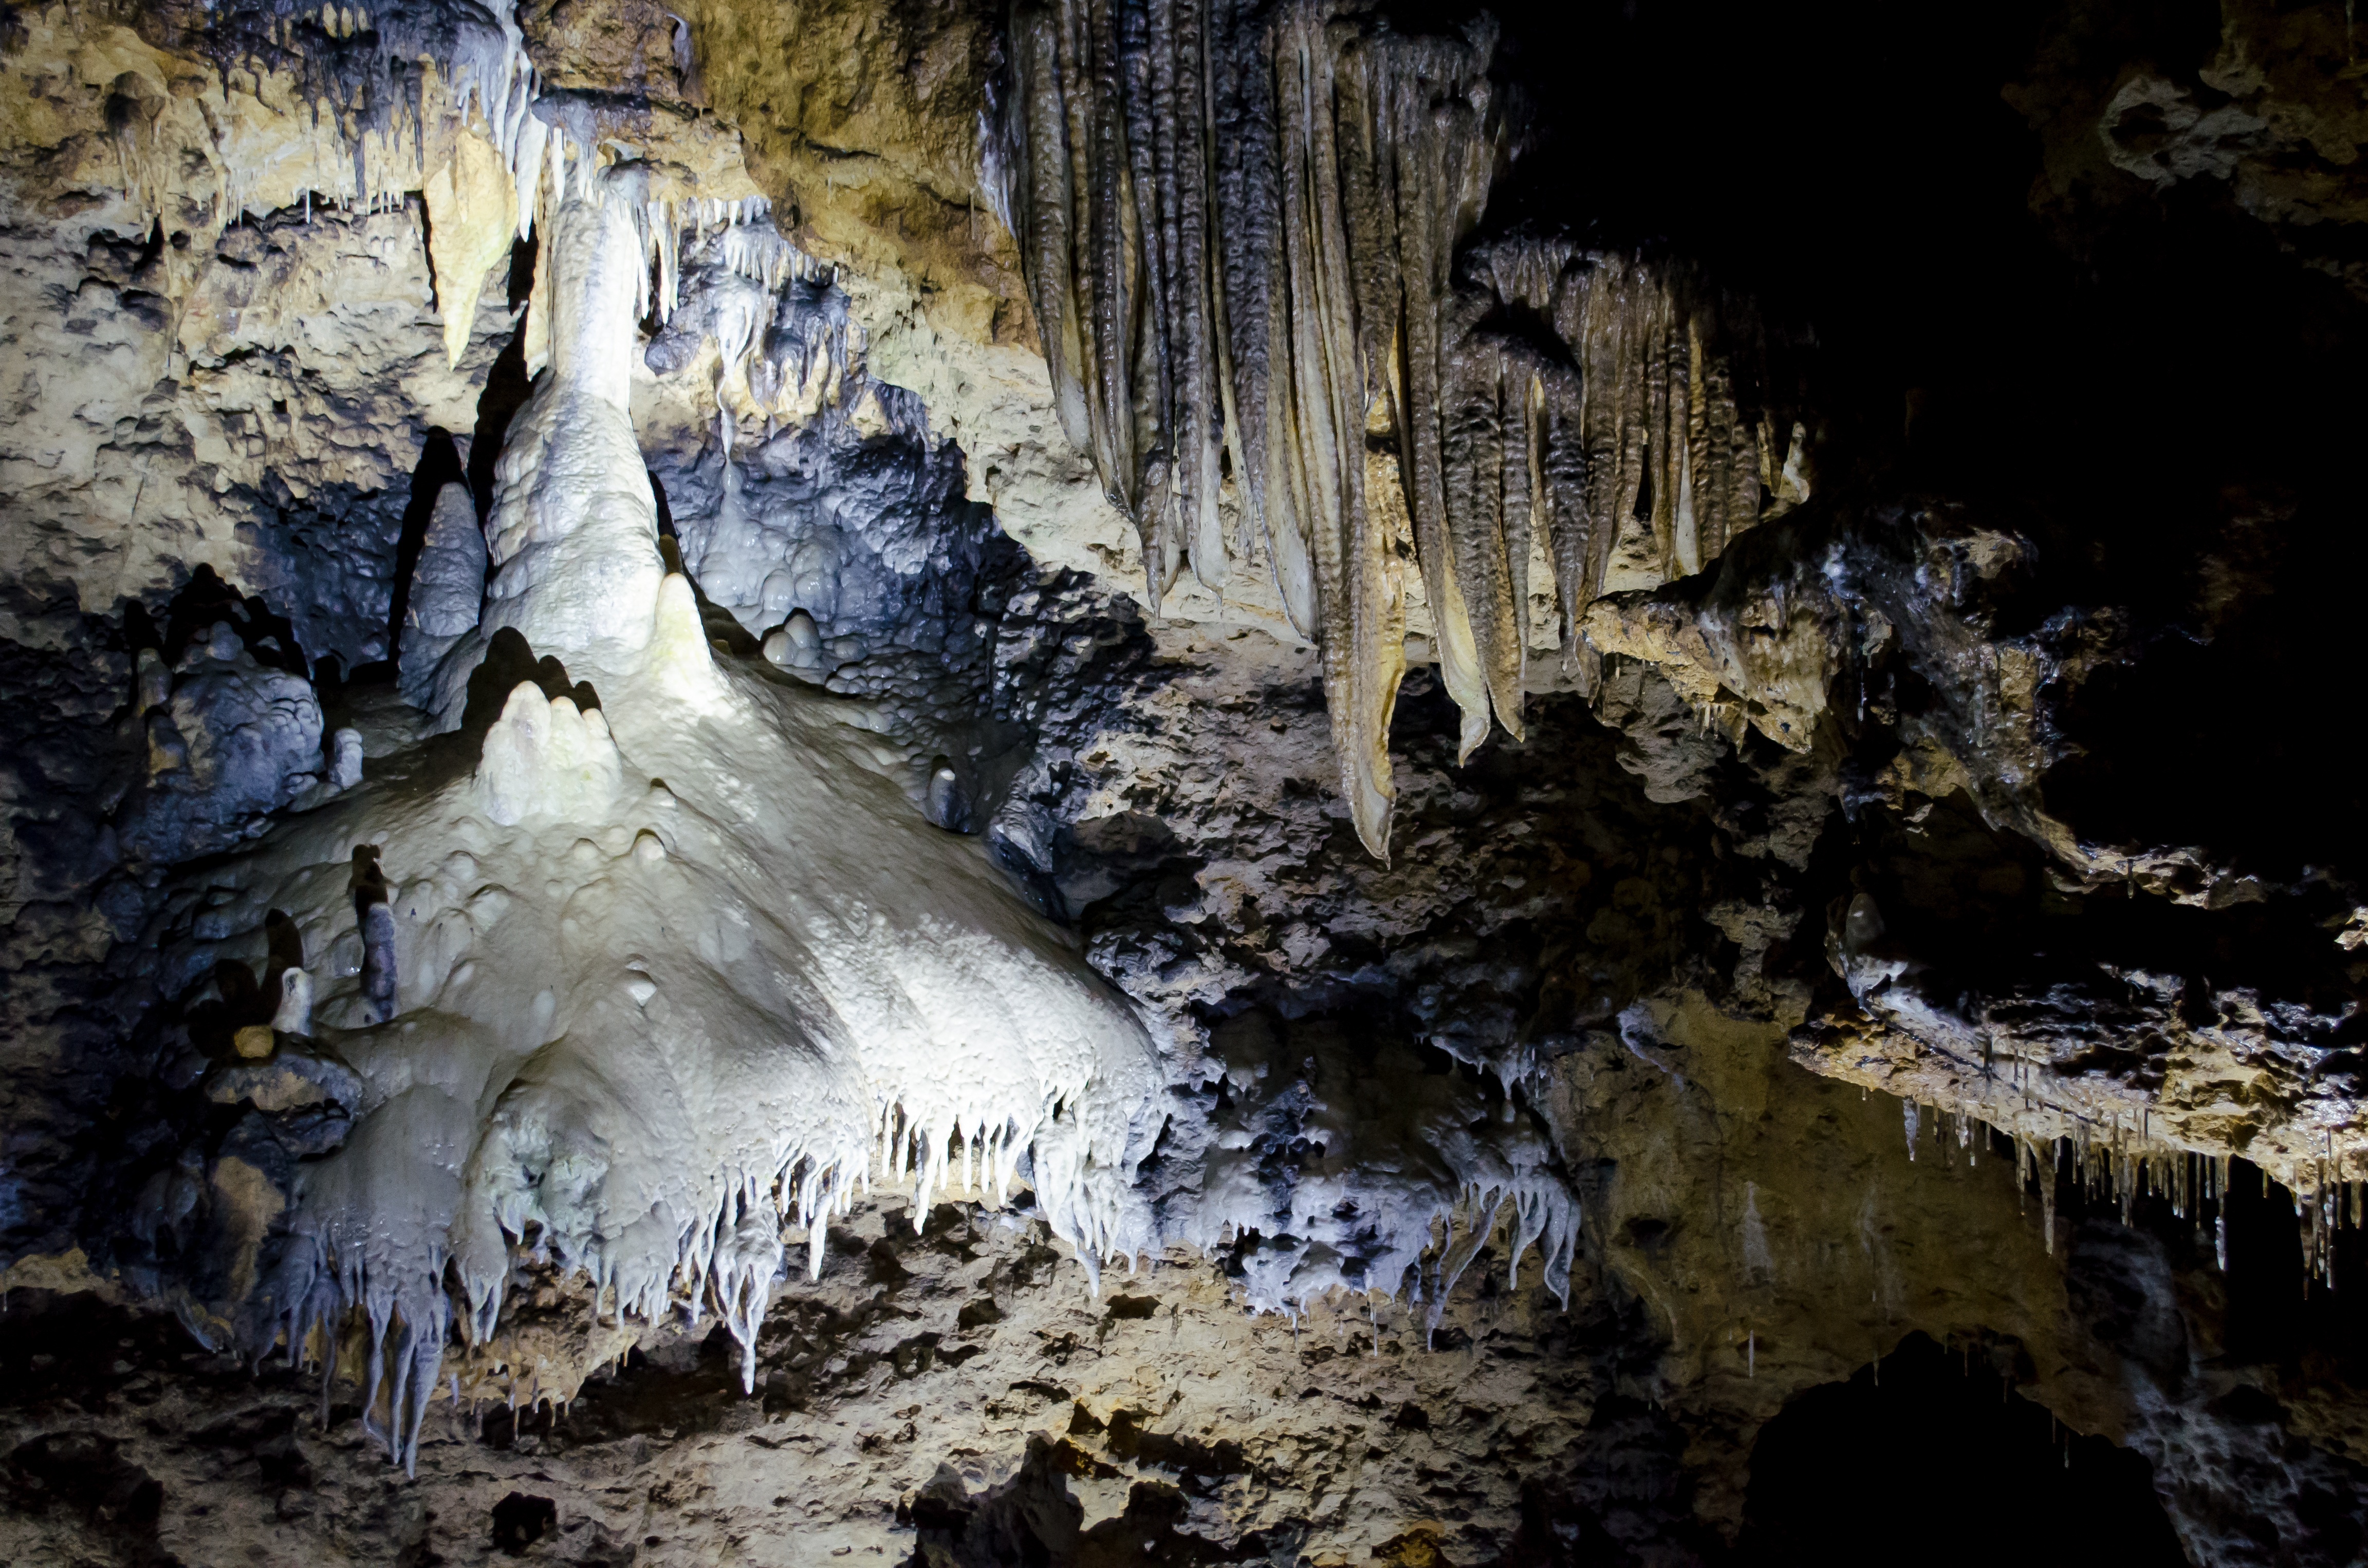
<point x="659" y="981"/>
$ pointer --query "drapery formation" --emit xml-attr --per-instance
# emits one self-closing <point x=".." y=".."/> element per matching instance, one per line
<point x="1249" y="236"/>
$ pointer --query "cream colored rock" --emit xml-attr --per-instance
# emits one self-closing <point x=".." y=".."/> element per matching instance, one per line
<point x="545" y="758"/>
<point x="272" y="347"/>
<point x="472" y="206"/>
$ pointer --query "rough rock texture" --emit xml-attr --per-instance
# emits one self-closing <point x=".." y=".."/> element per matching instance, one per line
<point x="2246" y="108"/>
<point x="932" y="1386"/>
<point x="230" y="743"/>
<point x="1893" y="955"/>
<point x="214" y="371"/>
<point x="2113" y="1032"/>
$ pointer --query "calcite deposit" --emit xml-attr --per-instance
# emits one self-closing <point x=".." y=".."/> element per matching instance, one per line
<point x="1182" y="781"/>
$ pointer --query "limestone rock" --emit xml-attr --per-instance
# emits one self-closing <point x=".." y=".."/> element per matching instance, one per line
<point x="447" y="592"/>
<point x="860" y="993"/>
<point x="236" y="741"/>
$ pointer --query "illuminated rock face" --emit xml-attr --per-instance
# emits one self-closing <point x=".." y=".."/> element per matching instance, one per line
<point x="573" y="537"/>
<point x="1244" y="239"/>
<point x="800" y="1017"/>
<point x="763" y="982"/>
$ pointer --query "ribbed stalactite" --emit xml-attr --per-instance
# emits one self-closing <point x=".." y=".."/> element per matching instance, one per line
<point x="1251" y="232"/>
<point x="1622" y="372"/>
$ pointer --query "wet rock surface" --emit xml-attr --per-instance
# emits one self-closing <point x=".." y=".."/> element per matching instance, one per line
<point x="1902" y="973"/>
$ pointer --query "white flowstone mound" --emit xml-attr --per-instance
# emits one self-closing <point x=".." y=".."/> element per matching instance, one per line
<point x="544" y="758"/>
<point x="662" y="1000"/>
<point x="656" y="985"/>
<point x="651" y="990"/>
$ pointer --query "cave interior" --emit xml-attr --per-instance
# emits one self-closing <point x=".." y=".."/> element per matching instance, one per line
<point x="1311" y="782"/>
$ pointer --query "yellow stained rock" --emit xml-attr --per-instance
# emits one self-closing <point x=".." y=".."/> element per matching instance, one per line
<point x="472" y="216"/>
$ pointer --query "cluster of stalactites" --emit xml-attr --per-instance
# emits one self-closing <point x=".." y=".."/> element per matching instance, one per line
<point x="760" y="372"/>
<point x="2332" y="1204"/>
<point x="2114" y="1161"/>
<point x="728" y="1257"/>
<point x="788" y="351"/>
<point x="1240" y="225"/>
<point x="1083" y="1186"/>
<point x="359" y="71"/>
<point x="359" y="76"/>
<point x="749" y="245"/>
<point x="2114" y="1167"/>
<point x="1535" y="1210"/>
<point x="1427" y="1255"/>
<point x="1580" y="393"/>
<point x="316" y="1290"/>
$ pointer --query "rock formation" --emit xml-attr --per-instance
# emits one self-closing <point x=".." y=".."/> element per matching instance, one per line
<point x="1242" y="233"/>
<point x="1209" y="780"/>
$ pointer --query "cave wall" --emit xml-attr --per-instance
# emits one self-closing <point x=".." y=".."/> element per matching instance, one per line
<point x="1985" y="804"/>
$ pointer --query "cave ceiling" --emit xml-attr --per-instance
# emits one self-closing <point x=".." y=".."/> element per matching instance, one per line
<point x="1303" y="782"/>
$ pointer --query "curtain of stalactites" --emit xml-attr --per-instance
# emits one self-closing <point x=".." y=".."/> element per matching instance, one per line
<point x="1248" y="228"/>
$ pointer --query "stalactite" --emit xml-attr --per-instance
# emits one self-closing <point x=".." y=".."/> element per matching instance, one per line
<point x="1430" y="112"/>
<point x="1249" y="228"/>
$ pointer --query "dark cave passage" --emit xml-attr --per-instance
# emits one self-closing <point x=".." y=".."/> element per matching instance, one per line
<point x="1930" y="1457"/>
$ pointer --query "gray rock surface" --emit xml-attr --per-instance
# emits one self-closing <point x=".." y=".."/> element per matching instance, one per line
<point x="235" y="742"/>
<point x="448" y="591"/>
<point x="1994" y="797"/>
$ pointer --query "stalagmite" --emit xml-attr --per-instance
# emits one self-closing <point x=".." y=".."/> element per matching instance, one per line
<point x="447" y="592"/>
<point x="294" y="1015"/>
<point x="345" y="760"/>
<point x="377" y="922"/>
<point x="754" y="968"/>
